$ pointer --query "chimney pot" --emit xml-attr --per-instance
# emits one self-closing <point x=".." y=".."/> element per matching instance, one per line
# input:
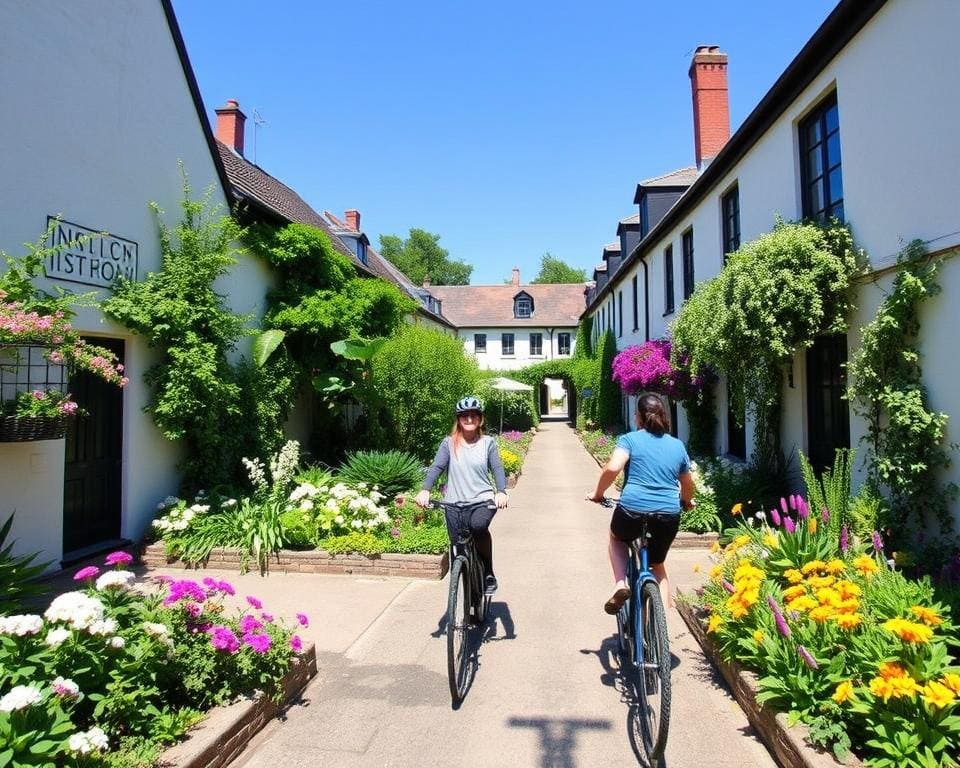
<point x="230" y="123"/>
<point x="711" y="109"/>
<point x="426" y="281"/>
<point x="516" y="276"/>
<point x="353" y="219"/>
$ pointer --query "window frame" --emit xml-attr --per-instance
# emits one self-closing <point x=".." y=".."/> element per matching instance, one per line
<point x="818" y="115"/>
<point x="620" y="313"/>
<point x="539" y="336"/>
<point x="669" y="298"/>
<point x="686" y="257"/>
<point x="503" y="345"/>
<point x="636" y="311"/>
<point x="730" y="220"/>
<point x="477" y="348"/>
<point x="560" y="344"/>
<point x="522" y="301"/>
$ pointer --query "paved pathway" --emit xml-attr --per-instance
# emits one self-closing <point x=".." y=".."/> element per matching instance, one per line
<point x="546" y="692"/>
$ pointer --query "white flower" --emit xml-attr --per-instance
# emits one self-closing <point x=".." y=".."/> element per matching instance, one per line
<point x="76" y="608"/>
<point x="116" y="642"/>
<point x="306" y="505"/>
<point x="23" y="624"/>
<point x="20" y="696"/>
<point x="116" y="580"/>
<point x="284" y="465"/>
<point x="170" y="501"/>
<point x="155" y="630"/>
<point x="339" y="519"/>
<point x="86" y="742"/>
<point x="64" y="686"/>
<point x="199" y="508"/>
<point x="229" y="503"/>
<point x="56" y="636"/>
<point x="332" y="505"/>
<point x="255" y="471"/>
<point x="103" y="627"/>
<point x="357" y="523"/>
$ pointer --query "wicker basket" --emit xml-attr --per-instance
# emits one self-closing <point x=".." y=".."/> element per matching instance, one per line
<point x="17" y="429"/>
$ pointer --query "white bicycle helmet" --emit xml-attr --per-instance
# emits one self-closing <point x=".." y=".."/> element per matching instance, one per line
<point x="469" y="404"/>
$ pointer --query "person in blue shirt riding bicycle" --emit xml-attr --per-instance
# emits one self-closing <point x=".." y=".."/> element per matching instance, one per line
<point x="468" y="457"/>
<point x="657" y="483"/>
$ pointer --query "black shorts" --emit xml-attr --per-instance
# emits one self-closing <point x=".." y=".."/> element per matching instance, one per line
<point x="662" y="526"/>
<point x="476" y="517"/>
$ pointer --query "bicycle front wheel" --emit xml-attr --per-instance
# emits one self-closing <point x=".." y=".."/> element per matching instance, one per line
<point x="654" y="703"/>
<point x="458" y="628"/>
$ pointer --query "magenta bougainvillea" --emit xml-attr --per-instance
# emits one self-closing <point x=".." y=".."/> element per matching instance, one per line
<point x="647" y="368"/>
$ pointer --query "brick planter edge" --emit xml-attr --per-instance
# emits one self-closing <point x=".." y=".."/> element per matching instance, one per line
<point x="787" y="744"/>
<point x="311" y="561"/>
<point x="225" y="731"/>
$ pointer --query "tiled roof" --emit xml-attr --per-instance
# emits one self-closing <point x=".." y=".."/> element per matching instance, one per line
<point x="251" y="181"/>
<point x="632" y="219"/>
<point x="682" y="177"/>
<point x="480" y="306"/>
<point x="389" y="272"/>
<point x="614" y="246"/>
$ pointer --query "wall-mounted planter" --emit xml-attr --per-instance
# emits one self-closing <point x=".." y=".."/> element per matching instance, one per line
<point x="18" y="429"/>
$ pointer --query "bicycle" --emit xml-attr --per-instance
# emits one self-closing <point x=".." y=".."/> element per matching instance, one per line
<point x="467" y="602"/>
<point x="643" y="616"/>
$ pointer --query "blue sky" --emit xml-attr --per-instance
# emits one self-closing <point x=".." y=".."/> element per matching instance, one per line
<point x="508" y="128"/>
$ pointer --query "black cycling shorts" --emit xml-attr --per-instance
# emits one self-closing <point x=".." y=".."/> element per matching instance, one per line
<point x="662" y="526"/>
<point x="475" y="517"/>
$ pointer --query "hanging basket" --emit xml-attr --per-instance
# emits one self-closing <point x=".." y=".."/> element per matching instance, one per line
<point x="19" y="429"/>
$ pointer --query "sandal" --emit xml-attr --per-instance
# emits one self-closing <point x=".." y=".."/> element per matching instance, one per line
<point x="616" y="602"/>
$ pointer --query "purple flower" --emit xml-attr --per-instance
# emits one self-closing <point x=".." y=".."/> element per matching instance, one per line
<point x="257" y="642"/>
<point x="87" y="574"/>
<point x="844" y="539"/>
<point x="223" y="639"/>
<point x="877" y="542"/>
<point x="304" y="621"/>
<point x="825" y="515"/>
<point x="789" y="524"/>
<point x="807" y="658"/>
<point x="728" y="586"/>
<point x="192" y="609"/>
<point x="782" y="627"/>
<point x="226" y="587"/>
<point x="184" y="589"/>
<point x="296" y="644"/>
<point x="792" y="502"/>
<point x="249" y="624"/>
<point x="119" y="558"/>
<point x="783" y="506"/>
<point x="775" y="516"/>
<point x="254" y="602"/>
<point x="803" y="509"/>
<point x="210" y="584"/>
<point x="267" y="617"/>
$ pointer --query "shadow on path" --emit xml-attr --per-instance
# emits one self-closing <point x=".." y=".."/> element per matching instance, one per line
<point x="558" y="737"/>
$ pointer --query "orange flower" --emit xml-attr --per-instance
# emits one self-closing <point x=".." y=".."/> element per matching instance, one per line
<point x="866" y="565"/>
<point x="819" y="582"/>
<point x="909" y="631"/>
<point x="792" y="593"/>
<point x="843" y="693"/>
<point x="927" y="615"/>
<point x="736" y="509"/>
<point x="835" y="566"/>
<point x="793" y="575"/>
<point x="848" y="620"/>
<point x="847" y="589"/>
<point x="829" y="596"/>
<point x="813" y="565"/>
<point x="802" y="604"/>
<point x="822" y="613"/>
<point x="890" y="669"/>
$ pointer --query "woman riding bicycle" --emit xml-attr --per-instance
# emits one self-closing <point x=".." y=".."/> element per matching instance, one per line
<point x="658" y="483"/>
<point x="468" y="456"/>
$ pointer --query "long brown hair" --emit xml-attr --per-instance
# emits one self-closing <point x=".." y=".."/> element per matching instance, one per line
<point x="456" y="433"/>
<point x="652" y="416"/>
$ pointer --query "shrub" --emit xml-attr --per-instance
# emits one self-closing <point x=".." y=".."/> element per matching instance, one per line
<point x="17" y="574"/>
<point x="519" y="411"/>
<point x="339" y="509"/>
<point x="609" y="403"/>
<point x="362" y="543"/>
<point x="422" y="539"/>
<point x="392" y="472"/>
<point x="511" y="461"/>
<point x="415" y="380"/>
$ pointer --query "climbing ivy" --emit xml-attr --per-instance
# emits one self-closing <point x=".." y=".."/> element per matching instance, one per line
<point x="905" y="437"/>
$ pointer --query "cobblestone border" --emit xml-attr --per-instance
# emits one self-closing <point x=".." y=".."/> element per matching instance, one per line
<point x="312" y="561"/>
<point x="224" y="732"/>
<point x="787" y="744"/>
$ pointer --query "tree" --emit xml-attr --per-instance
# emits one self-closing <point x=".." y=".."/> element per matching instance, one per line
<point x="554" y="270"/>
<point x="420" y="256"/>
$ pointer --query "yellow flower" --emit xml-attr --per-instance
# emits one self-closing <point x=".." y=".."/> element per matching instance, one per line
<point x="742" y="540"/>
<point x="696" y="568"/>
<point x="901" y="687"/>
<point x="909" y="631"/>
<point x="802" y="604"/>
<point x="813" y="565"/>
<point x="715" y="547"/>
<point x="736" y="509"/>
<point x="849" y="606"/>
<point x="758" y="636"/>
<point x="829" y="596"/>
<point x="738" y="608"/>
<point x="927" y="615"/>
<point x="822" y="613"/>
<point x="770" y="540"/>
<point x="835" y="567"/>
<point x="848" y="589"/>
<point x="716" y="573"/>
<point x="937" y="695"/>
<point x="843" y="693"/>
<point x="793" y="576"/>
<point x="890" y="669"/>
<point x="819" y="582"/>
<point x="848" y="620"/>
<point x="792" y="593"/>
<point x="866" y="565"/>
<point x="714" y="624"/>
<point x="881" y="688"/>
<point x="811" y="525"/>
<point x="951" y="681"/>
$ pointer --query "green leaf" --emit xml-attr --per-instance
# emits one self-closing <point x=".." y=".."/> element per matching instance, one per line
<point x="357" y="349"/>
<point x="264" y="345"/>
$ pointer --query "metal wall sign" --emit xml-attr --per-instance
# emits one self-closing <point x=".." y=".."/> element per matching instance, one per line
<point x="97" y="260"/>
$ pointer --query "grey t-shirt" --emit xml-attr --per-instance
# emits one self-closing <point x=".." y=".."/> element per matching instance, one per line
<point x="467" y="478"/>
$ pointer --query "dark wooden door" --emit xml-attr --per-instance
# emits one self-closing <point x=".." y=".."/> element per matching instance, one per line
<point x="94" y="449"/>
<point x="828" y="415"/>
<point x="736" y="432"/>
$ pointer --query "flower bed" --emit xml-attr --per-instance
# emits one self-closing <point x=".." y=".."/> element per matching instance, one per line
<point x="513" y="446"/>
<point x="839" y="639"/>
<point x="113" y="672"/>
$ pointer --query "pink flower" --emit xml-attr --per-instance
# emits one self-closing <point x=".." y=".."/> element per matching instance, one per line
<point x="257" y="642"/>
<point x="248" y="624"/>
<point x="254" y="602"/>
<point x="267" y="617"/>
<point x="119" y="558"/>
<point x="223" y="639"/>
<point x="192" y="609"/>
<point x="399" y="501"/>
<point x="38" y="395"/>
<point x="296" y="644"/>
<point x="395" y="533"/>
<point x="304" y="621"/>
<point x="226" y="587"/>
<point x="87" y="574"/>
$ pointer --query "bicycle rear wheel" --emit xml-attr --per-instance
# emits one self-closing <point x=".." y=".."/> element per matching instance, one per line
<point x="458" y="628"/>
<point x="654" y="676"/>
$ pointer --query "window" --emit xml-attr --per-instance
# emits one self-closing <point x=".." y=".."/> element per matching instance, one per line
<point x="536" y="343"/>
<point x="362" y="251"/>
<point x="636" y="318"/>
<point x="620" y="315"/>
<point x="730" y="207"/>
<point x="479" y="342"/>
<point x="523" y="306"/>
<point x="736" y="429"/>
<point x="644" y="217"/>
<point x="668" y="280"/>
<point x="828" y="411"/>
<point x="820" y="177"/>
<point x="506" y="345"/>
<point x="563" y="343"/>
<point x="687" y="246"/>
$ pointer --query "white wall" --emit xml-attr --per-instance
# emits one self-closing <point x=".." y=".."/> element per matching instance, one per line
<point x="103" y="116"/>
<point x="493" y="359"/>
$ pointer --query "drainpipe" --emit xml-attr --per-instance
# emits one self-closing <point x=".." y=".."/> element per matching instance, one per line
<point x="646" y="298"/>
<point x="550" y="331"/>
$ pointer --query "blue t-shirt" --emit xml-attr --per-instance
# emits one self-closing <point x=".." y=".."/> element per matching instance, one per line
<point x="653" y="472"/>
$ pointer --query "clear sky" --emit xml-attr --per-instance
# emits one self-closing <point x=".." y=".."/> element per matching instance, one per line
<point x="510" y="129"/>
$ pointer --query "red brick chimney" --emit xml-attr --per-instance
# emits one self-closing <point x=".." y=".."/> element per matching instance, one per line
<point x="230" y="121"/>
<point x="353" y="219"/>
<point x="516" y="276"/>
<point x="711" y="111"/>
